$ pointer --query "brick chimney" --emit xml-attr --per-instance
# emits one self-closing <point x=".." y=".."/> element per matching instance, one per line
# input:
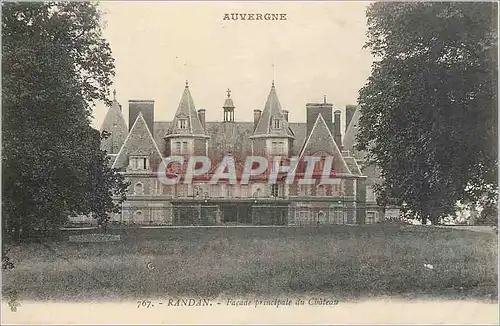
<point x="147" y="107"/>
<point x="312" y="112"/>
<point x="285" y="113"/>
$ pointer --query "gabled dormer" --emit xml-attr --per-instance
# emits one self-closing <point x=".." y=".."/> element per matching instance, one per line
<point x="116" y="128"/>
<point x="139" y="152"/>
<point x="320" y="142"/>
<point x="186" y="135"/>
<point x="272" y="135"/>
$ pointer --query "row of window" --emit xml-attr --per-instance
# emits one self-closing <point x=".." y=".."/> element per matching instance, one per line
<point x="181" y="147"/>
<point x="302" y="214"/>
<point x="242" y="191"/>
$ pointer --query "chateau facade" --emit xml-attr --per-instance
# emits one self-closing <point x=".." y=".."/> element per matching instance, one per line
<point x="137" y="151"/>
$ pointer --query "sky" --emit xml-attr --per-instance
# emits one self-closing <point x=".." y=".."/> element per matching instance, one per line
<point x="157" y="46"/>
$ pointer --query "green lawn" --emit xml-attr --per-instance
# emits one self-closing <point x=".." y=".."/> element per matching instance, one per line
<point x="348" y="262"/>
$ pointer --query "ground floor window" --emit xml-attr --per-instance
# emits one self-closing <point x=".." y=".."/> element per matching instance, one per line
<point x="370" y="217"/>
<point x="337" y="215"/>
<point x="303" y="214"/>
<point x="322" y="218"/>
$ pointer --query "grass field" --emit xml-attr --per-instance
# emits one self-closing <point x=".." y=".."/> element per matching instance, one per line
<point x="350" y="262"/>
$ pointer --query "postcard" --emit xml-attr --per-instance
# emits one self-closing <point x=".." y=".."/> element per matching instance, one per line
<point x="227" y="162"/>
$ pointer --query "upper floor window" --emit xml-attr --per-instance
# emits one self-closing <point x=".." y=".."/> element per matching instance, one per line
<point x="274" y="190"/>
<point x="139" y="162"/>
<point x="278" y="148"/>
<point x="181" y="147"/>
<point x="139" y="189"/>
<point x="281" y="147"/>
<point x="176" y="167"/>
<point x="321" y="191"/>
<point x="182" y="123"/>
<point x="318" y="166"/>
<point x="215" y="190"/>
<point x="182" y="190"/>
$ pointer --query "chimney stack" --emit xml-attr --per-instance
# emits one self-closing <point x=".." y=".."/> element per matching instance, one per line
<point x="349" y="112"/>
<point x="201" y="116"/>
<point x="256" y="117"/>
<point x="336" y="125"/>
<point x="315" y="109"/>
<point x="146" y="107"/>
<point x="285" y="113"/>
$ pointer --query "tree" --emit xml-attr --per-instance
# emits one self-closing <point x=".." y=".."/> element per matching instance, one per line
<point x="429" y="109"/>
<point x="55" y="66"/>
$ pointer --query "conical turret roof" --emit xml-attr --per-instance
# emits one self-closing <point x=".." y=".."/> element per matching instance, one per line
<point x="114" y="123"/>
<point x="272" y="110"/>
<point x="186" y="111"/>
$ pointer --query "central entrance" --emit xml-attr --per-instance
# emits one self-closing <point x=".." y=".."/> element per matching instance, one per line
<point x="236" y="213"/>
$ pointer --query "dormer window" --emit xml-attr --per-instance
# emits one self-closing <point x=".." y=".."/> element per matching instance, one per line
<point x="277" y="124"/>
<point x="139" y="162"/>
<point x="182" y="123"/>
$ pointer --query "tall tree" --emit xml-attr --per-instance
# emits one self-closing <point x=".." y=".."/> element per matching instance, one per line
<point x="429" y="109"/>
<point x="55" y="64"/>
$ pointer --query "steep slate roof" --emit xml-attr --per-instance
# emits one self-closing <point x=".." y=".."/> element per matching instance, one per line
<point x="238" y="135"/>
<point x="372" y="172"/>
<point x="272" y="109"/>
<point x="186" y="110"/>
<point x="114" y="123"/>
<point x="321" y="140"/>
<point x="350" y="136"/>
<point x="139" y="141"/>
<point x="353" y="165"/>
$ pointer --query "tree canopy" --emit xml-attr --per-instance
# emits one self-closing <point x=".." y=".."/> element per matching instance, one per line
<point x="56" y="65"/>
<point x="429" y="109"/>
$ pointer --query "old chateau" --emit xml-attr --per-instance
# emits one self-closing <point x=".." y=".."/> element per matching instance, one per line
<point x="138" y="149"/>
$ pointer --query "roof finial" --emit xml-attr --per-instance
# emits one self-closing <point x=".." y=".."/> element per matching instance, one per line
<point x="324" y="98"/>
<point x="272" y="85"/>
<point x="187" y="83"/>
<point x="114" y="95"/>
<point x="228" y="93"/>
